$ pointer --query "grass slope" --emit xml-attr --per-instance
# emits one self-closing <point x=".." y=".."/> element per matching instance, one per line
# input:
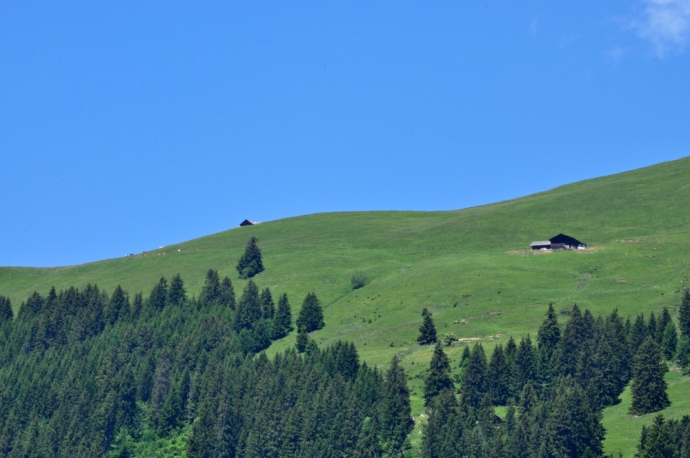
<point x="469" y="267"/>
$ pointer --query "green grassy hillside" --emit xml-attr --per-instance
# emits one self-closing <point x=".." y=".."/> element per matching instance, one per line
<point x="471" y="268"/>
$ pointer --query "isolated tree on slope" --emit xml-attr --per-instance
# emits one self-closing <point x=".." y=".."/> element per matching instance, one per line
<point x="648" y="386"/>
<point x="250" y="263"/>
<point x="310" y="315"/>
<point x="427" y="332"/>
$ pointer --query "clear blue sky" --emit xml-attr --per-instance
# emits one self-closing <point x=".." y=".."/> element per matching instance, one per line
<point x="129" y="125"/>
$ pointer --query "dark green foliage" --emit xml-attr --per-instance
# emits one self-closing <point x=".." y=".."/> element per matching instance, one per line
<point x="474" y="383"/>
<point x="368" y="442"/>
<point x="427" y="331"/>
<point x="658" y="441"/>
<point x="669" y="341"/>
<point x="6" y="313"/>
<point x="438" y="378"/>
<point x="683" y="354"/>
<point x="648" y="387"/>
<point x="652" y="328"/>
<point x="302" y="340"/>
<point x="548" y="338"/>
<point x="684" y="314"/>
<point x="268" y="307"/>
<point x="524" y="366"/>
<point x="159" y="295"/>
<point x="638" y="333"/>
<point x="498" y="377"/>
<point x="210" y="292"/>
<point x="250" y="263"/>
<point x="396" y="415"/>
<point x="358" y="279"/>
<point x="177" y="295"/>
<point x="226" y="296"/>
<point x="282" y="322"/>
<point x="311" y="314"/>
<point x="664" y="320"/>
<point x="118" y="306"/>
<point x="249" y="308"/>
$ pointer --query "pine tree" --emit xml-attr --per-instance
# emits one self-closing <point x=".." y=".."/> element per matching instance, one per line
<point x="250" y="263"/>
<point x="498" y="377"/>
<point x="282" y="322"/>
<point x="657" y="440"/>
<point x="664" y="320"/>
<point x="302" y="340"/>
<point x="684" y="314"/>
<point x="396" y="414"/>
<point x="638" y="333"/>
<point x="473" y="386"/>
<point x="652" y="327"/>
<point x="524" y="366"/>
<point x="368" y="442"/>
<point x="311" y="314"/>
<point x="210" y="292"/>
<point x="6" y="313"/>
<point x="683" y="354"/>
<point x="669" y="342"/>
<point x="427" y="332"/>
<point x="439" y="375"/>
<point x="226" y="296"/>
<point x="548" y="338"/>
<point x="249" y="308"/>
<point x="159" y="293"/>
<point x="177" y="294"/>
<point x="267" y="305"/>
<point x="648" y="387"/>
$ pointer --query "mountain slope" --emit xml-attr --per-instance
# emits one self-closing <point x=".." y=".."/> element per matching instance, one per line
<point x="470" y="268"/>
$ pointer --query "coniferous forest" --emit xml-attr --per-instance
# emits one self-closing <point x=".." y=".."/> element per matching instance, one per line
<point x="89" y="373"/>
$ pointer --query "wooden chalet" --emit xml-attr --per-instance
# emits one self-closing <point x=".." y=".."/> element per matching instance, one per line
<point x="247" y="222"/>
<point x="559" y="242"/>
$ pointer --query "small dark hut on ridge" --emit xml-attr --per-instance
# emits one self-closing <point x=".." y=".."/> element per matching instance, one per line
<point x="247" y="222"/>
<point x="559" y="242"/>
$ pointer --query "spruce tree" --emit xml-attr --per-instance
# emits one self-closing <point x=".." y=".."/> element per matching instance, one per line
<point x="664" y="320"/>
<point x="548" y="337"/>
<point x="427" y="332"/>
<point x="683" y="354"/>
<point x="498" y="377"/>
<point x="177" y="294"/>
<point x="648" y="387"/>
<point x="311" y="314"/>
<point x="302" y="340"/>
<point x="368" y="442"/>
<point x="439" y="375"/>
<point x="159" y="295"/>
<point x="638" y="333"/>
<point x="524" y="366"/>
<point x="248" y="309"/>
<point x="250" y="263"/>
<point x="267" y="305"/>
<point x="669" y="342"/>
<point x="657" y="440"/>
<point x="396" y="414"/>
<point x="226" y="296"/>
<point x="210" y="292"/>
<point x="282" y="322"/>
<point x="684" y="314"/>
<point x="473" y="386"/>
<point x="6" y="313"/>
<point x="117" y="307"/>
<point x="652" y="327"/>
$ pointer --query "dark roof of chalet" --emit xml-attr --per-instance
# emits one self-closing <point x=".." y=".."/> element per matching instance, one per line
<point x="247" y="222"/>
<point x="565" y="239"/>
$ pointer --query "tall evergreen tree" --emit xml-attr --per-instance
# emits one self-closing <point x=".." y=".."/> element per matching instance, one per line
<point x="524" y="366"/>
<point x="302" y="340"/>
<point x="498" y="377"/>
<point x="249" y="308"/>
<point x="311" y="314"/>
<point x="473" y="386"/>
<point x="210" y="292"/>
<point x="684" y="314"/>
<point x="664" y="320"/>
<point x="368" y="442"/>
<point x="427" y="331"/>
<point x="250" y="263"/>
<point x="438" y="378"/>
<point x="638" y="333"/>
<point x="282" y="322"/>
<point x="548" y="338"/>
<point x="226" y="296"/>
<point x="652" y="327"/>
<point x="648" y="387"/>
<point x="177" y="294"/>
<point x="669" y="342"/>
<point x="396" y="414"/>
<point x="117" y="307"/>
<point x="657" y="441"/>
<point x="159" y="293"/>
<point x="6" y="313"/>
<point x="268" y="307"/>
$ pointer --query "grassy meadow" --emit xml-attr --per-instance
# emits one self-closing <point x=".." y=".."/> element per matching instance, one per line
<point x="471" y="268"/>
